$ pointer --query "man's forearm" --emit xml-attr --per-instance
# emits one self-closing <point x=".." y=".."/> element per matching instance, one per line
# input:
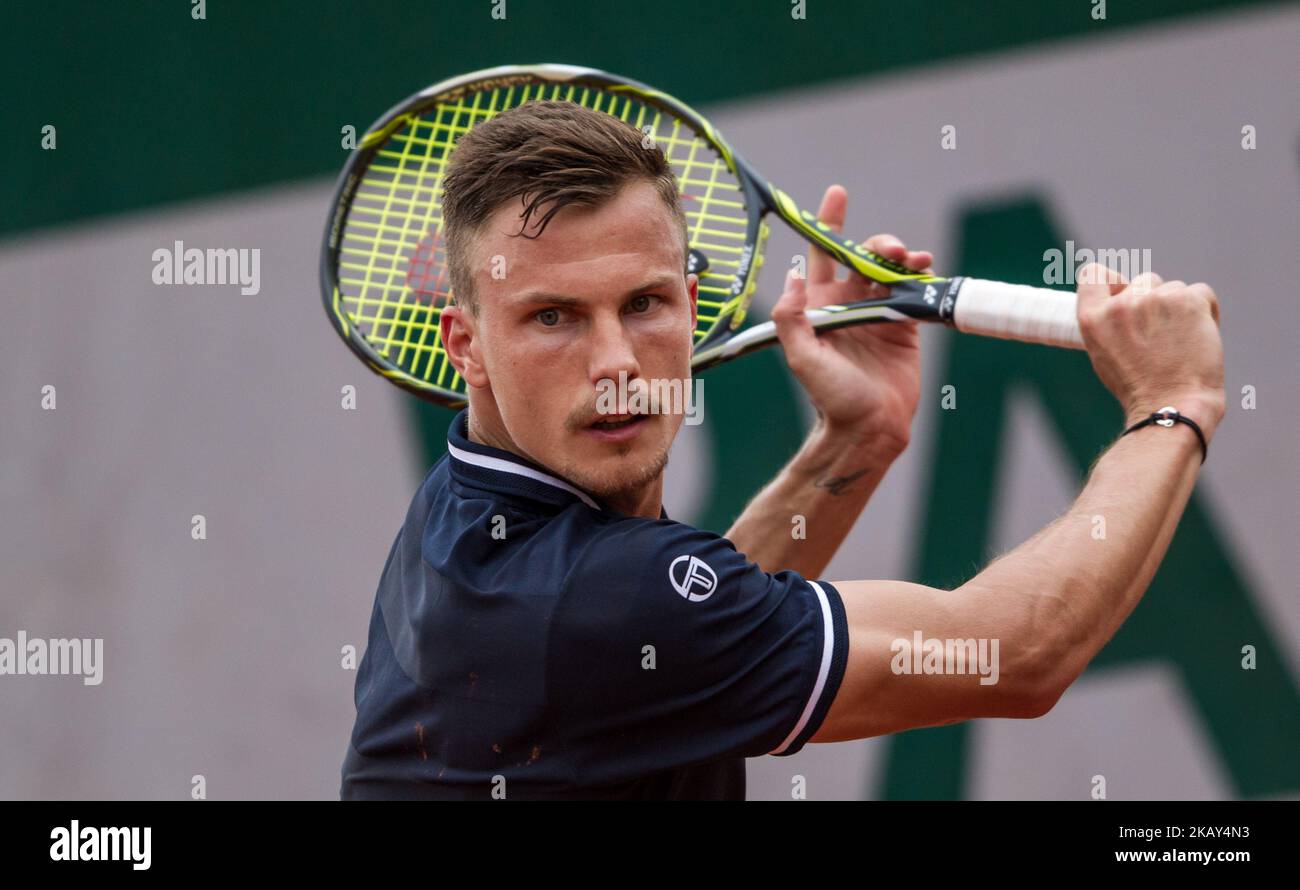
<point x="802" y="516"/>
<point x="1087" y="570"/>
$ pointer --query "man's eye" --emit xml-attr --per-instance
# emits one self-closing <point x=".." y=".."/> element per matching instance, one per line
<point x="549" y="317"/>
<point x="641" y="303"/>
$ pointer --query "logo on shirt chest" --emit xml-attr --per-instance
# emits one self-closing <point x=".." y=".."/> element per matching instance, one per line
<point x="692" y="578"/>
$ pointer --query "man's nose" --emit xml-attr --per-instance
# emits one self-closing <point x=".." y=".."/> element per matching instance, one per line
<point x="612" y="351"/>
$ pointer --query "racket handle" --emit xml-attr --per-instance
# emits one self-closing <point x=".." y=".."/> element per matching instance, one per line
<point x="1017" y="312"/>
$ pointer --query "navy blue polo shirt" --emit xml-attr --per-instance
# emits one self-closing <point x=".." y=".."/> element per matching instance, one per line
<point x="527" y="642"/>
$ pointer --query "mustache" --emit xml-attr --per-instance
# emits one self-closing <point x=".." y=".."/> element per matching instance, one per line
<point x="589" y="413"/>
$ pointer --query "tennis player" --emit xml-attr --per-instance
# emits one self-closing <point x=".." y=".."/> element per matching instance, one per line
<point x="543" y="629"/>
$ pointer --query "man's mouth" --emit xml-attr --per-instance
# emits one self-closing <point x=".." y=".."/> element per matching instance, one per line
<point x="618" y="423"/>
<point x="617" y="428"/>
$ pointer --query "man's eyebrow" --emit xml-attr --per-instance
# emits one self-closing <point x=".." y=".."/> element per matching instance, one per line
<point x="548" y="298"/>
<point x="534" y="297"/>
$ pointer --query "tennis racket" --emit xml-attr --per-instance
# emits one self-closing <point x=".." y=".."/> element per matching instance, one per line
<point x="383" y="264"/>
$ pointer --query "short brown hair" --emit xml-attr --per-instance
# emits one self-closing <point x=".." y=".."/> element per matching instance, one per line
<point x="551" y="154"/>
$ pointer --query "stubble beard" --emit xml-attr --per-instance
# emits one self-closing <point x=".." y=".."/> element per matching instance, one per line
<point x="625" y="480"/>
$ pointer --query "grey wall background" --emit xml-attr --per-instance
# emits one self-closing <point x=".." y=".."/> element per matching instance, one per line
<point x="223" y="656"/>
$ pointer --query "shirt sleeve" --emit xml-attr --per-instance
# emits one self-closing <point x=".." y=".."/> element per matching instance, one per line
<point x="670" y="648"/>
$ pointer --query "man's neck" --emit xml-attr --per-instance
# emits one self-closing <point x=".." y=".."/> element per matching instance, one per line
<point x="647" y="502"/>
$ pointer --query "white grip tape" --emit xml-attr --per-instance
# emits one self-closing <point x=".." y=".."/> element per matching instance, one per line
<point x="1018" y="312"/>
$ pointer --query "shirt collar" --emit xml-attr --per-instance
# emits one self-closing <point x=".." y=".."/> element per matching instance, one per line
<point x="504" y="471"/>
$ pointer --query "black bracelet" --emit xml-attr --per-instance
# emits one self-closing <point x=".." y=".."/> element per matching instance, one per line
<point x="1167" y="417"/>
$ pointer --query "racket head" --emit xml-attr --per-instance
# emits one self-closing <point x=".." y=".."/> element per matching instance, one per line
<point x="383" y="269"/>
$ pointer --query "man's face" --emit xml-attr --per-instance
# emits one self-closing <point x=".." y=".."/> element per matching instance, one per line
<point x="601" y="292"/>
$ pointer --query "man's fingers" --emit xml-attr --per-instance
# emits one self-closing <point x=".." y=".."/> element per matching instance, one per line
<point x="919" y="260"/>
<point x="889" y="246"/>
<point x="1145" y="283"/>
<point x="1096" y="284"/>
<point x="892" y="248"/>
<point x="793" y="328"/>
<point x="835" y="204"/>
<point x="1205" y="292"/>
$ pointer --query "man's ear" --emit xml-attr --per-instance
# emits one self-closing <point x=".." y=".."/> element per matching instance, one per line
<point x="459" y="332"/>
<point x="693" y="290"/>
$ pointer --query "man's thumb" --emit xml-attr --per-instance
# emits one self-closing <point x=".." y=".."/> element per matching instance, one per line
<point x="1096" y="284"/>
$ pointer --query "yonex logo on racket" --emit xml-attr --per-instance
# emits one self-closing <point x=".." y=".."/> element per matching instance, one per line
<point x="692" y="578"/>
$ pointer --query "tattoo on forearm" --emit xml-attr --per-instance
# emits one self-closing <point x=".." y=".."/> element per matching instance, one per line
<point x="836" y="485"/>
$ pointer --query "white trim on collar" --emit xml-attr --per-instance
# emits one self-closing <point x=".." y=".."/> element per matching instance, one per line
<point x="509" y="466"/>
